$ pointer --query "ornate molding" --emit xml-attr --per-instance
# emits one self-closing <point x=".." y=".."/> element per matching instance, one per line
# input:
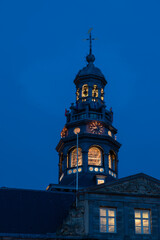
<point x="136" y="186"/>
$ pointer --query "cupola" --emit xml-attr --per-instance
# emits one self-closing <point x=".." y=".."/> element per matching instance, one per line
<point x="97" y="147"/>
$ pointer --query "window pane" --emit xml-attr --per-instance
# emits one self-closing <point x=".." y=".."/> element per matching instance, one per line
<point x="95" y="91"/>
<point x="138" y="230"/>
<point x="113" y="165"/>
<point x="102" y="212"/>
<point x="137" y="214"/>
<point x="146" y="230"/>
<point x="85" y="90"/>
<point x="94" y="156"/>
<point x="107" y="223"/>
<point x="137" y="222"/>
<point x="142" y="221"/>
<point x="111" y="228"/>
<point x="100" y="181"/>
<point x="145" y="214"/>
<point x="111" y="213"/>
<point x="74" y="157"/>
<point x="103" y="228"/>
<point x="109" y="161"/>
<point x="102" y="94"/>
<point x="111" y="221"/>
<point x="145" y="223"/>
<point x="103" y="221"/>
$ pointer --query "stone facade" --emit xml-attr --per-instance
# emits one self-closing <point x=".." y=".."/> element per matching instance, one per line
<point x="125" y="195"/>
<point x="54" y="214"/>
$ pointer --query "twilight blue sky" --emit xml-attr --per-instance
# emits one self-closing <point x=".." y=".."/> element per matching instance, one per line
<point x="41" y="51"/>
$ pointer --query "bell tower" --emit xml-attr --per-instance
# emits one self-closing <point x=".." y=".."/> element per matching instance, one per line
<point x="98" y="147"/>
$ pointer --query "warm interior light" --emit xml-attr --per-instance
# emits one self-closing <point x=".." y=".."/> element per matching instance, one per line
<point x="95" y="91"/>
<point x="109" y="133"/>
<point x="77" y="93"/>
<point x="94" y="156"/>
<point x="102" y="94"/>
<point x="85" y="90"/>
<point x="74" y="157"/>
<point x="100" y="181"/>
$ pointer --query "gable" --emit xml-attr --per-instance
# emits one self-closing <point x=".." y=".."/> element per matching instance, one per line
<point x="138" y="184"/>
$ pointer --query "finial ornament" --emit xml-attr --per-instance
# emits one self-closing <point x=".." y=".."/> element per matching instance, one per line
<point x="90" y="39"/>
<point x="90" y="57"/>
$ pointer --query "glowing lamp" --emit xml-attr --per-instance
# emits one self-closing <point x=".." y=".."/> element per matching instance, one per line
<point x="77" y="130"/>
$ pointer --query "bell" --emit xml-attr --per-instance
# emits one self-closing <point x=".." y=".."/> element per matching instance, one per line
<point x="85" y="92"/>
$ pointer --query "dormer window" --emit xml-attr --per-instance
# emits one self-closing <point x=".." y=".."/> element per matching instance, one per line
<point x="95" y="91"/>
<point x="100" y="179"/>
<point x="102" y="94"/>
<point x="85" y="90"/>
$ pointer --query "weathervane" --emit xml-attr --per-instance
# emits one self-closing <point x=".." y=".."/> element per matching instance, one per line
<point x="90" y="40"/>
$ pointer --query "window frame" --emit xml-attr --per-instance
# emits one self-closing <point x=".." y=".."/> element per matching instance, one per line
<point x="107" y="217"/>
<point x="141" y="218"/>
<point x="94" y="91"/>
<point x="70" y="157"/>
<point x="100" y="179"/>
<point x="113" y="161"/>
<point x="85" y="88"/>
<point x="101" y="152"/>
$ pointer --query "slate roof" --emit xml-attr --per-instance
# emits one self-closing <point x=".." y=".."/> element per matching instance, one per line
<point x="33" y="212"/>
<point x="84" y="179"/>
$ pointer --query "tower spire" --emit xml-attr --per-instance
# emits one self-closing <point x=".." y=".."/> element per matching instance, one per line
<point x="90" y="57"/>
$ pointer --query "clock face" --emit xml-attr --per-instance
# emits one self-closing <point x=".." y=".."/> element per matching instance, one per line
<point x="64" y="132"/>
<point x="96" y="127"/>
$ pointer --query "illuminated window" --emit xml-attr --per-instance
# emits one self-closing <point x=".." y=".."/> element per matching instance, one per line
<point x="100" y="181"/>
<point x="109" y="133"/>
<point x="74" y="157"/>
<point x="142" y="221"/>
<point x="112" y="161"/>
<point x="94" y="156"/>
<point x="109" y="161"/>
<point x="85" y="90"/>
<point x="77" y="94"/>
<point x="108" y="220"/>
<point x="95" y="91"/>
<point x="102" y="94"/>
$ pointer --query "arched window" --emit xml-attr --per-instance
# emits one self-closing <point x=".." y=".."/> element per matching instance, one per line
<point x="102" y="94"/>
<point x="77" y="94"/>
<point x="94" y="156"/>
<point x="112" y="161"/>
<point x="73" y="157"/>
<point x="85" y="90"/>
<point x="95" y="91"/>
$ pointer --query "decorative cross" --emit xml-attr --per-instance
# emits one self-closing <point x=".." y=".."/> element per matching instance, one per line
<point x="90" y="40"/>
